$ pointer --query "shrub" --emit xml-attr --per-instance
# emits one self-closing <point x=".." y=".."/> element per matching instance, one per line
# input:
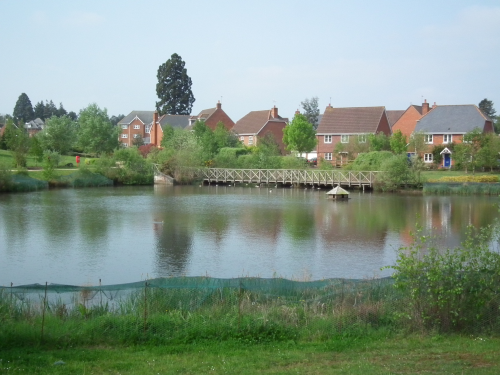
<point x="370" y="161"/>
<point x="452" y="289"/>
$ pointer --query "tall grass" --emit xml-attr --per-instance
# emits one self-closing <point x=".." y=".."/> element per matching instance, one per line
<point x="468" y="188"/>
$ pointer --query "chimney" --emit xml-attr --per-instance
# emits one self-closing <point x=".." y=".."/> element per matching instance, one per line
<point x="219" y="105"/>
<point x="297" y="112"/>
<point x="154" y="130"/>
<point x="425" y="107"/>
<point x="434" y="105"/>
<point x="274" y="112"/>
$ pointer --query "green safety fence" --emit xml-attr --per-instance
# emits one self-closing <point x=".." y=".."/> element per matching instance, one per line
<point x="189" y="309"/>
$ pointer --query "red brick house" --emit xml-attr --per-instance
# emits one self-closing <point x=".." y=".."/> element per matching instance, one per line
<point x="257" y="124"/>
<point x="447" y="124"/>
<point x="212" y="117"/>
<point x="339" y="125"/>
<point x="175" y="121"/>
<point x="135" y="125"/>
<point x="408" y="120"/>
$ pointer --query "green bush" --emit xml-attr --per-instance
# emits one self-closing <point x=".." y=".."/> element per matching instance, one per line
<point x="451" y="290"/>
<point x="370" y="161"/>
<point x="126" y="166"/>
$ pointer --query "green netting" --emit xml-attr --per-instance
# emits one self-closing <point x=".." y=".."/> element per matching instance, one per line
<point x="26" y="183"/>
<point x="188" y="309"/>
<point x="85" y="178"/>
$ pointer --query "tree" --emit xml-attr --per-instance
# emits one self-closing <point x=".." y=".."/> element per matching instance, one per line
<point x="488" y="154"/>
<point x="58" y="134"/>
<point x="138" y="141"/>
<point x="174" y="88"/>
<point x="417" y="143"/>
<point x="23" y="111"/>
<point x="299" y="135"/>
<point x="311" y="110"/>
<point x="95" y="132"/>
<point x="61" y="111"/>
<point x="379" y="142"/>
<point x="72" y="115"/>
<point x="116" y="119"/>
<point x="398" y="142"/>
<point x="17" y="140"/>
<point x="39" y="110"/>
<point x="50" y="110"/>
<point x="486" y="106"/>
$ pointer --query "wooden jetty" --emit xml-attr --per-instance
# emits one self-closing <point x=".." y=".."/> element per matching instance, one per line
<point x="287" y="177"/>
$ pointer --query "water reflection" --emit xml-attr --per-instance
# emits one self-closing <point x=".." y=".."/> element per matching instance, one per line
<point x="70" y="236"/>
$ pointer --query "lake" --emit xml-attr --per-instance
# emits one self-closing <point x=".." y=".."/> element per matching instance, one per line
<point x="128" y="234"/>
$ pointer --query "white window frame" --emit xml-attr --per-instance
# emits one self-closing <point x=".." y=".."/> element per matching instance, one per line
<point x="250" y="140"/>
<point x="124" y="135"/>
<point x="328" y="156"/>
<point x="344" y="138"/>
<point x="328" y="139"/>
<point x="242" y="138"/>
<point x="362" y="138"/>
<point x="137" y="135"/>
<point x="137" y="126"/>
<point x="447" y="138"/>
<point x="148" y="128"/>
<point x="428" y="158"/>
<point x="124" y="126"/>
<point x="428" y="139"/>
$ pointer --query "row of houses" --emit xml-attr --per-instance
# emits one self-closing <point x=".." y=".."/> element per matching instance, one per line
<point x="443" y="124"/>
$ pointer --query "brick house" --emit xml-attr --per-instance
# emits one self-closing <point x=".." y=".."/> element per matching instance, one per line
<point x="34" y="126"/>
<point x="212" y="117"/>
<point x="447" y="124"/>
<point x="257" y="124"/>
<point x="408" y="120"/>
<point x="135" y="124"/>
<point x="339" y="125"/>
<point x="175" y="121"/>
<point x="393" y="116"/>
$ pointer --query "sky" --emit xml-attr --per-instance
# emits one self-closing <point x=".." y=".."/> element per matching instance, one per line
<point x="251" y="55"/>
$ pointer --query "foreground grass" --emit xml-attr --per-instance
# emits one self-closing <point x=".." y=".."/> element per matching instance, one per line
<point x="375" y="354"/>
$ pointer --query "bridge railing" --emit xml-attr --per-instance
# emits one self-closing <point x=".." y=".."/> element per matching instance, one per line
<point x="287" y="176"/>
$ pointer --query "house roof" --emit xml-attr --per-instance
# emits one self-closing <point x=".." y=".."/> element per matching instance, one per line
<point x="452" y="119"/>
<point x="253" y="122"/>
<point x="34" y="124"/>
<point x="394" y="115"/>
<point x="176" y="121"/>
<point x="206" y="113"/>
<point x="350" y="120"/>
<point x="145" y="116"/>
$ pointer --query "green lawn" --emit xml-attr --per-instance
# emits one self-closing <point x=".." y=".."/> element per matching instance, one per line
<point x="434" y="175"/>
<point x="412" y="354"/>
<point x="6" y="159"/>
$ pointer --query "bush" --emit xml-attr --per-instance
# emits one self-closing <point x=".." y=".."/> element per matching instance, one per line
<point x="453" y="289"/>
<point x="126" y="166"/>
<point x="370" y="161"/>
<point x="6" y="182"/>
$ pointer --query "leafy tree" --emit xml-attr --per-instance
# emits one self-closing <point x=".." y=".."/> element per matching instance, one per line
<point x="39" y="110"/>
<point x="379" y="142"/>
<point x="174" y="88"/>
<point x="398" y="142"/>
<point x="311" y="111"/>
<point x="72" y="115"/>
<point x="417" y="143"/>
<point x="51" y="160"/>
<point x="224" y="137"/>
<point x="36" y="149"/>
<point x="116" y="119"/>
<point x="138" y="141"/>
<point x="23" y="111"/>
<point x="488" y="154"/>
<point x="299" y="135"/>
<point x="50" y="110"/>
<point x="58" y="135"/>
<point x="473" y="140"/>
<point x="17" y="141"/>
<point x="395" y="173"/>
<point x="486" y="106"/>
<point x="95" y="132"/>
<point x="61" y="111"/>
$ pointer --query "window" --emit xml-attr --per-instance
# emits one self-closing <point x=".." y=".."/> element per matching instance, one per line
<point x="137" y="126"/>
<point x="137" y="135"/>
<point x="428" y="158"/>
<point x="428" y="138"/>
<point x="124" y="135"/>
<point x="124" y="126"/>
<point x="250" y="140"/>
<point x="447" y="138"/>
<point x="148" y="128"/>
<point x="328" y="156"/>
<point x="328" y="139"/>
<point x="344" y="138"/>
<point x="242" y="138"/>
<point x="362" y="138"/>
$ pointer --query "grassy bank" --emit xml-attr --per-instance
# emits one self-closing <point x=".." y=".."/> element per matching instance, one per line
<point x="378" y="353"/>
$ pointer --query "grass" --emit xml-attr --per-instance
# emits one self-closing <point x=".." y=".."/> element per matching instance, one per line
<point x="379" y="353"/>
<point x="6" y="159"/>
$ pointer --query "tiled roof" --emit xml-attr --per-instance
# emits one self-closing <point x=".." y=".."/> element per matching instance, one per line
<point x="145" y="116"/>
<point x="34" y="124"/>
<point x="350" y="120"/>
<point x="206" y="113"/>
<point x="253" y="122"/>
<point x="393" y="116"/>
<point x="452" y="119"/>
<point x="418" y="108"/>
<point x="176" y="121"/>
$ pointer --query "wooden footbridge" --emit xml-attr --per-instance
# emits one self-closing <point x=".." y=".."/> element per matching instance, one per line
<point x="287" y="177"/>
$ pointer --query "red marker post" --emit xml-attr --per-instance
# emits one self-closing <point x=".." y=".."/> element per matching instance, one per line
<point x="77" y="160"/>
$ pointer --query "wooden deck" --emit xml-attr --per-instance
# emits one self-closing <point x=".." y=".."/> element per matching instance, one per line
<point x="287" y="177"/>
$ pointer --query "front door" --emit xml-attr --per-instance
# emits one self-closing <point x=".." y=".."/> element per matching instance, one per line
<point x="447" y="160"/>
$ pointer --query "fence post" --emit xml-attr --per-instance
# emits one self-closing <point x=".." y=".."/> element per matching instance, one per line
<point x="145" y="306"/>
<point x="43" y="312"/>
